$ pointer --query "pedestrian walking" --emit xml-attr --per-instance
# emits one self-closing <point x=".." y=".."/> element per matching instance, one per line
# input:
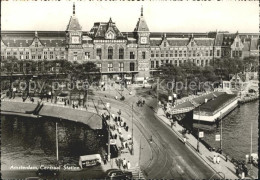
<point x="119" y="130"/>
<point x="116" y="119"/>
<point x="184" y="140"/>
<point x="214" y="159"/>
<point x="126" y="145"/>
<point x="115" y="136"/>
<point x="116" y="97"/>
<point x="237" y="173"/>
<point x="218" y="159"/>
<point x="126" y="128"/>
<point x="119" y="118"/>
<point x="128" y="165"/>
<point x="124" y="124"/>
<point x="124" y="163"/>
<point x="226" y="158"/>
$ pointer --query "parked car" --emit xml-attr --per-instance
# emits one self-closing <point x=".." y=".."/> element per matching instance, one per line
<point x="42" y="171"/>
<point x="118" y="174"/>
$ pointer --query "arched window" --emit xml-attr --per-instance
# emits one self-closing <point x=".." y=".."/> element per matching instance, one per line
<point x="110" y="53"/>
<point x="132" y="66"/>
<point x="121" y="53"/>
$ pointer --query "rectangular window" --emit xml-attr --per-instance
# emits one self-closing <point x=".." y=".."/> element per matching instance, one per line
<point x="152" y="55"/>
<point x="176" y="62"/>
<point x="121" y="53"/>
<point x="121" y="66"/>
<point x="44" y="56"/>
<point x="75" y="54"/>
<point x="157" y="64"/>
<point x="162" y="55"/>
<point x="194" y="53"/>
<point x="132" y="55"/>
<point x="36" y="44"/>
<point x="157" y="55"/>
<point x="180" y="53"/>
<point x="99" y="65"/>
<point x="143" y="55"/>
<point x="110" y="53"/>
<point x="184" y="53"/>
<point x="237" y="44"/>
<point x="26" y="57"/>
<point x="176" y="54"/>
<point x="171" y="55"/>
<point x="87" y="55"/>
<point x="132" y="66"/>
<point x="51" y="56"/>
<point x="211" y="52"/>
<point x="167" y="61"/>
<point x="51" y="52"/>
<point x="39" y="56"/>
<point x="110" y="67"/>
<point x="33" y="56"/>
<point x="99" y="53"/>
<point x="233" y="53"/>
<point x="15" y="53"/>
<point x="218" y="52"/>
<point x="152" y="64"/>
<point x="207" y="53"/>
<point x="8" y="53"/>
<point x="240" y="53"/>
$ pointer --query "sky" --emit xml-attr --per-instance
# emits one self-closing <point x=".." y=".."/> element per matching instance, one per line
<point x="161" y="16"/>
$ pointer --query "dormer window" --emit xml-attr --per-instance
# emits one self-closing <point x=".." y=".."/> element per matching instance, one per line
<point x="110" y="35"/>
<point x="36" y="44"/>
<point x="192" y="43"/>
<point x="164" y="44"/>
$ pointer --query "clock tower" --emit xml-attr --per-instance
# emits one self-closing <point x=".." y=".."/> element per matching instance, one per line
<point x="142" y="35"/>
<point x="74" y="38"/>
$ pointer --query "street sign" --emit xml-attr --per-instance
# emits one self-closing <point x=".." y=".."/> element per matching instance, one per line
<point x="217" y="137"/>
<point x="112" y="142"/>
<point x="201" y="134"/>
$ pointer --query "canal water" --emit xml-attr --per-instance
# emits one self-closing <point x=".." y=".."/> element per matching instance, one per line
<point x="236" y="131"/>
<point x="30" y="141"/>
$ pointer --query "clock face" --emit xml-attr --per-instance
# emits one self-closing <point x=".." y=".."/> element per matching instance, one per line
<point x="75" y="39"/>
<point x="143" y="40"/>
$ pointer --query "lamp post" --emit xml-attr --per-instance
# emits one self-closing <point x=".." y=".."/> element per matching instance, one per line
<point x="132" y="130"/>
<point x="220" y="131"/>
<point x="108" y="148"/>
<point x="57" y="145"/>
<point x="198" y="143"/>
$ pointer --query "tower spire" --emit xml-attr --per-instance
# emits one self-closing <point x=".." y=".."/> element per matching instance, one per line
<point x="142" y="11"/>
<point x="73" y="8"/>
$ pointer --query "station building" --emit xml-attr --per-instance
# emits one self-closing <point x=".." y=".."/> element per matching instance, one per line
<point x="133" y="55"/>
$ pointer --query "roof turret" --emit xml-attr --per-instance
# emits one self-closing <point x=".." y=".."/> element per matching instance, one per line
<point x="141" y="24"/>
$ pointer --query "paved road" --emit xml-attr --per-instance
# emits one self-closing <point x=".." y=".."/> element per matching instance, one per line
<point x="171" y="158"/>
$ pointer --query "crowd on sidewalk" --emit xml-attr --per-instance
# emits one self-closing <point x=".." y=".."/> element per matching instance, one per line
<point x="119" y="132"/>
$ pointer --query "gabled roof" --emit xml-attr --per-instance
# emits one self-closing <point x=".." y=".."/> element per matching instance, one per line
<point x="219" y="39"/>
<point x="99" y="30"/>
<point x="74" y="24"/>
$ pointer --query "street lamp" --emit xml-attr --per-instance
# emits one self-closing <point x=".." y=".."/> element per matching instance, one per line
<point x="108" y="148"/>
<point x="198" y="143"/>
<point x="132" y="130"/>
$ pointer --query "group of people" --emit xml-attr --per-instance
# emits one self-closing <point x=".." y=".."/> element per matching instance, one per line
<point x="241" y="170"/>
<point x="140" y="103"/>
<point x="123" y="163"/>
<point x="216" y="159"/>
